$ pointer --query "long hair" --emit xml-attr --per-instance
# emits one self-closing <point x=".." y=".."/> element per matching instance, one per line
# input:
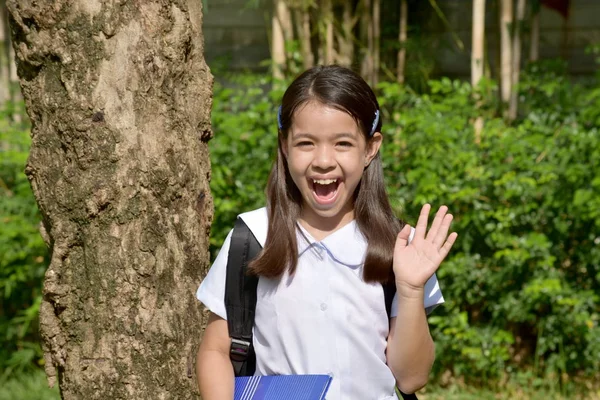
<point x="344" y="90"/>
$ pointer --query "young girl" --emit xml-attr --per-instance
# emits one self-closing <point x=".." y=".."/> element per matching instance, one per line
<point x="329" y="240"/>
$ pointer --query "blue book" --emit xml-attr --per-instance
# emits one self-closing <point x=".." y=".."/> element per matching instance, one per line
<point x="282" y="387"/>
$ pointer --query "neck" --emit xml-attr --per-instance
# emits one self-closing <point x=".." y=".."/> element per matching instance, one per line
<point x="320" y="227"/>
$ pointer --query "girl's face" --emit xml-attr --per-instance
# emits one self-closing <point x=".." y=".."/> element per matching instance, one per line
<point x="326" y="154"/>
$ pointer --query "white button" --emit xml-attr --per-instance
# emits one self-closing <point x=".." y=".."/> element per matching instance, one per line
<point x="323" y="306"/>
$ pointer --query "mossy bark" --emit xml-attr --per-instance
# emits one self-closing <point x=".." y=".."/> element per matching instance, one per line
<point x="119" y="98"/>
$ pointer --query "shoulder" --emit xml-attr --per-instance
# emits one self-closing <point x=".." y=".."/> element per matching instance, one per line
<point x="258" y="222"/>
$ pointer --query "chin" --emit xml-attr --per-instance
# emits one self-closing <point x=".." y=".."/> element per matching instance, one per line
<point x="336" y="210"/>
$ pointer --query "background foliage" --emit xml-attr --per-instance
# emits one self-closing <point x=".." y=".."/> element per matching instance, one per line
<point x="23" y="258"/>
<point x="522" y="283"/>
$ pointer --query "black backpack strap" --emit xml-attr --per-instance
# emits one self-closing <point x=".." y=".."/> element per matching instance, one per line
<point x="405" y="396"/>
<point x="389" y="291"/>
<point x="240" y="298"/>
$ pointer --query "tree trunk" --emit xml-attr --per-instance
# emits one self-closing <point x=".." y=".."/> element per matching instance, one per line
<point x="302" y="17"/>
<point x="119" y="98"/>
<point x="278" y="40"/>
<point x="516" y="60"/>
<point x="367" y="36"/>
<point x="376" y="40"/>
<point x="477" y="56"/>
<point x="345" y="38"/>
<point x="477" y="62"/>
<point x="5" y="60"/>
<point x="329" y="51"/>
<point x="534" y="45"/>
<point x="285" y="17"/>
<point x="15" y="94"/>
<point x="402" y="40"/>
<point x="506" y="20"/>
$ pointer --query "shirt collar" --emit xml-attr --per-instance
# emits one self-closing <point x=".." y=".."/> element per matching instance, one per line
<point x="347" y="245"/>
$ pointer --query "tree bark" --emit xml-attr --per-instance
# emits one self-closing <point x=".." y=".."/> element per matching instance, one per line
<point x="402" y="36"/>
<point x="506" y="21"/>
<point x="119" y="97"/>
<point x="516" y="60"/>
<point x="278" y="40"/>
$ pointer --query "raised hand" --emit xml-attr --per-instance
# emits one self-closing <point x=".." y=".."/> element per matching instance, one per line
<point x="416" y="262"/>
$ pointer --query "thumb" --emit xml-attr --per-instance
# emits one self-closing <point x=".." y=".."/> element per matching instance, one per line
<point x="402" y="238"/>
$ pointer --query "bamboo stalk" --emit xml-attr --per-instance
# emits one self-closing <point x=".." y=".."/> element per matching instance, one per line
<point x="402" y="36"/>
<point x="278" y="40"/>
<point x="477" y="51"/>
<point x="4" y="57"/>
<point x="345" y="42"/>
<point x="302" y="17"/>
<point x="376" y="40"/>
<point x="329" y="51"/>
<point x="516" y="60"/>
<point x="506" y="20"/>
<point x="477" y="57"/>
<point x="367" y="32"/>
<point x="534" y="45"/>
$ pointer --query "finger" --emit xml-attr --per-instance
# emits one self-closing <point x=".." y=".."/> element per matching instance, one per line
<point x="448" y="245"/>
<point x="421" y="227"/>
<point x="442" y="233"/>
<point x="402" y="238"/>
<point x="437" y="221"/>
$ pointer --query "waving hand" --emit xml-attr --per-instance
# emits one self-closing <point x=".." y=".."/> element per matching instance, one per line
<point x="416" y="262"/>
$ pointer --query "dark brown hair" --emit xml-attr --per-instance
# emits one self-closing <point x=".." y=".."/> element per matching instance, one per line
<point x="342" y="89"/>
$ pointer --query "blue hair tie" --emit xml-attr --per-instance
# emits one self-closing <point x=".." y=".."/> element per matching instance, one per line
<point x="375" y="123"/>
<point x="279" y="124"/>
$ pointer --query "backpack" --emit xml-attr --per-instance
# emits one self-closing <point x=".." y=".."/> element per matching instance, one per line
<point x="240" y="300"/>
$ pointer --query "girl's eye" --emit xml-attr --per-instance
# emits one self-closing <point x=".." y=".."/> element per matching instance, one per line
<point x="303" y="144"/>
<point x="345" y="144"/>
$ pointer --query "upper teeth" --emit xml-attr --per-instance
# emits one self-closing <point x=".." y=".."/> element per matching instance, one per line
<point x="324" y="181"/>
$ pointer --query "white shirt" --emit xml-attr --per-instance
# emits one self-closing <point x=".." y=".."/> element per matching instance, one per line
<point x="324" y="320"/>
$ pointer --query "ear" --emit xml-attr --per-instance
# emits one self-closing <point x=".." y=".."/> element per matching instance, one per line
<point x="373" y="146"/>
<point x="283" y="146"/>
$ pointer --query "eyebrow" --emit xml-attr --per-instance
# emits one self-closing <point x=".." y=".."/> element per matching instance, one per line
<point x="336" y="136"/>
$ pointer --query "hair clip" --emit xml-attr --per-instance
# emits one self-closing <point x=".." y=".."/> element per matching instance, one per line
<point x="279" y="124"/>
<point x="375" y="123"/>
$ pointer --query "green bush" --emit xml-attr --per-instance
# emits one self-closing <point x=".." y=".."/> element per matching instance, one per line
<point x="245" y="143"/>
<point x="32" y="386"/>
<point x="23" y="254"/>
<point x="521" y="284"/>
<point x="523" y="279"/>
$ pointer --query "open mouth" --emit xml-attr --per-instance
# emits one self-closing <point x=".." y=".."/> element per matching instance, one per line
<point x="325" y="190"/>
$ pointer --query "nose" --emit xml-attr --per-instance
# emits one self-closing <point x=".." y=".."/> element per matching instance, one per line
<point x="324" y="157"/>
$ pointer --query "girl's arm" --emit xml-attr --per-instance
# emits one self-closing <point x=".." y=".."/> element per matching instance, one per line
<point x="213" y="366"/>
<point x="410" y="348"/>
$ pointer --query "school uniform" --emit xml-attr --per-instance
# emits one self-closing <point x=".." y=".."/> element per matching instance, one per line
<point x="323" y="320"/>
